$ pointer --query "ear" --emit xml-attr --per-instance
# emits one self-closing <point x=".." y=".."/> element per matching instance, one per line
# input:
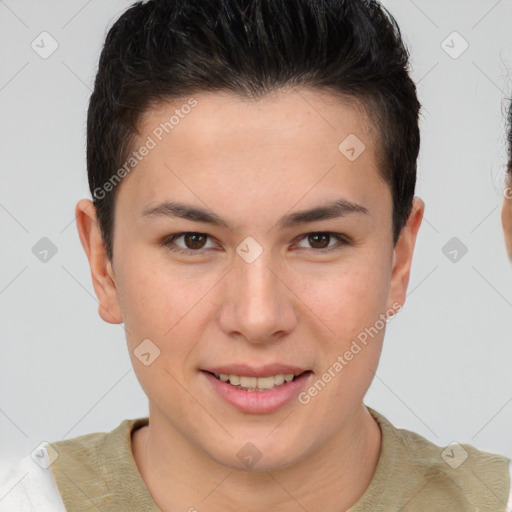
<point x="102" y="272"/>
<point x="506" y="220"/>
<point x="402" y="254"/>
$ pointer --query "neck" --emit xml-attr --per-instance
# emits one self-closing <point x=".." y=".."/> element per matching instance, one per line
<point x="180" y="477"/>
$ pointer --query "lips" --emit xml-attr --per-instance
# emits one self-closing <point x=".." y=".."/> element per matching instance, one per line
<point x="257" y="390"/>
<point x="268" y="370"/>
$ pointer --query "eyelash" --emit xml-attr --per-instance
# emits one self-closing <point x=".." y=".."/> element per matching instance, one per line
<point x="167" y="241"/>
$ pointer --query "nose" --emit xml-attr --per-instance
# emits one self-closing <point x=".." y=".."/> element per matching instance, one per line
<point x="258" y="305"/>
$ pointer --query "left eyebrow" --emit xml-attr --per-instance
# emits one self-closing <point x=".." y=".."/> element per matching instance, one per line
<point x="331" y="210"/>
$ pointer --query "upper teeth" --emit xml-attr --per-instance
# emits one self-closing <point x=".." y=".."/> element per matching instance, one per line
<point x="255" y="382"/>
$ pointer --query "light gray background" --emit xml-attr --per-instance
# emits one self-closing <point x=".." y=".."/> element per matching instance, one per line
<point x="446" y="366"/>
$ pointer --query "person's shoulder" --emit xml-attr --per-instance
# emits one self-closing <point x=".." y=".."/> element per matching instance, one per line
<point x="28" y="485"/>
<point x="94" y="445"/>
<point x="456" y="456"/>
<point x="457" y="473"/>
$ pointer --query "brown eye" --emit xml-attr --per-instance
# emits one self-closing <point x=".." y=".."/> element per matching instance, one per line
<point x="189" y="242"/>
<point x="194" y="240"/>
<point x="319" y="240"/>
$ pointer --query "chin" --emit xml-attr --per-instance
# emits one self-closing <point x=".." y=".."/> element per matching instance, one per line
<point x="257" y="457"/>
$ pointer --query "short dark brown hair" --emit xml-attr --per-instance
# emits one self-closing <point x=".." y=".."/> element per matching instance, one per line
<point x="163" y="50"/>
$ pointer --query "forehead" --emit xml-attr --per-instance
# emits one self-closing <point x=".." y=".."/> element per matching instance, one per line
<point x="288" y="140"/>
<point x="307" y="114"/>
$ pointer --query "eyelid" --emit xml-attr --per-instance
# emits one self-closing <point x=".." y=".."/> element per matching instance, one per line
<point x="168" y="240"/>
<point x="342" y="240"/>
<point x="339" y="237"/>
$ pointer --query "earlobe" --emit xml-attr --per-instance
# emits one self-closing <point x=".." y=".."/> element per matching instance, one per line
<point x="403" y="252"/>
<point x="101" y="268"/>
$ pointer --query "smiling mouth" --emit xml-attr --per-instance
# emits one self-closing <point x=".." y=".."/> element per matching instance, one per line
<point x="258" y="384"/>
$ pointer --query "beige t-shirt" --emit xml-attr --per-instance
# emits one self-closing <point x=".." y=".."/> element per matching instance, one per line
<point x="98" y="472"/>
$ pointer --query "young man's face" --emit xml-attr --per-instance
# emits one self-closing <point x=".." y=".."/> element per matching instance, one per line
<point x="257" y="298"/>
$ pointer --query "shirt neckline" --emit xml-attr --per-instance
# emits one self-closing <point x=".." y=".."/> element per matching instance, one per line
<point x="119" y="449"/>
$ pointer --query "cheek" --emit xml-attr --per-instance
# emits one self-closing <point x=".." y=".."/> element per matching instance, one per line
<point x="155" y="308"/>
<point x="352" y="307"/>
<point x="145" y="307"/>
<point x="151" y="300"/>
<point x="163" y="304"/>
<point x="349" y="297"/>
